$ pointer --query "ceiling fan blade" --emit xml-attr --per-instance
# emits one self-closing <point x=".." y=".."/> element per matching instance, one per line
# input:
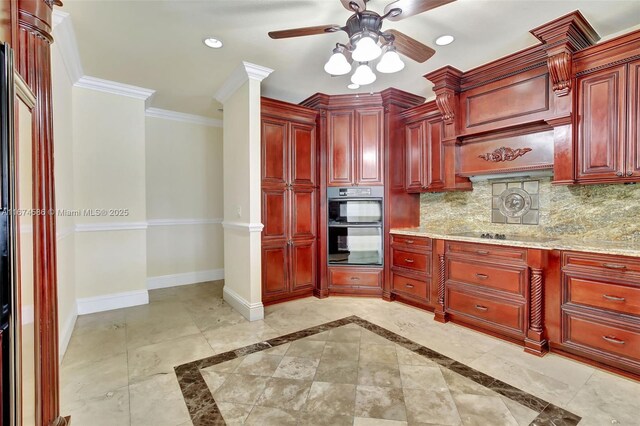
<point x="300" y="32"/>
<point x="412" y="7"/>
<point x="361" y="5"/>
<point x="410" y="47"/>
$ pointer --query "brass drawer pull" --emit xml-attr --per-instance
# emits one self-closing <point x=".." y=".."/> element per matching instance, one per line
<point x="482" y="252"/>
<point x="407" y="285"/>
<point x="614" y="266"/>
<point x="355" y="278"/>
<point x="613" y="340"/>
<point x="409" y="241"/>
<point x="614" y="298"/>
<point x="482" y="276"/>
<point x="409" y="260"/>
<point x="482" y="308"/>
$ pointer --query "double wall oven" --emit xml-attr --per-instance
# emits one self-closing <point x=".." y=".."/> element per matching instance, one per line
<point x="355" y="226"/>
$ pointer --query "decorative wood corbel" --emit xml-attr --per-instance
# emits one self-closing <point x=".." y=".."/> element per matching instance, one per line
<point x="446" y="86"/>
<point x="562" y="37"/>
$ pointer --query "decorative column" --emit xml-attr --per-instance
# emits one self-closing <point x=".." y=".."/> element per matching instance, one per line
<point x="33" y="62"/>
<point x="562" y="38"/>
<point x="446" y="82"/>
<point x="440" y="314"/>
<point x="240" y="95"/>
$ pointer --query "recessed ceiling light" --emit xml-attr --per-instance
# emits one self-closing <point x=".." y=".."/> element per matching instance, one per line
<point x="353" y="86"/>
<point x="444" y="40"/>
<point x="213" y="43"/>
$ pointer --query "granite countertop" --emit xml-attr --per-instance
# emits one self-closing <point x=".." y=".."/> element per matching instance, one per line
<point x="623" y="248"/>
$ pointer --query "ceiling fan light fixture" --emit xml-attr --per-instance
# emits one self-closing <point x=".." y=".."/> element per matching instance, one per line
<point x="390" y="62"/>
<point x="363" y="75"/>
<point x="367" y="49"/>
<point x="337" y="64"/>
<point x="353" y="86"/>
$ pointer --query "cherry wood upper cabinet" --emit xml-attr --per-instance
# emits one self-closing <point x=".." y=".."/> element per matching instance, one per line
<point x="601" y="124"/>
<point x="303" y="158"/>
<point x="633" y="138"/>
<point x="355" y="142"/>
<point x="424" y="151"/>
<point x="274" y="151"/>
<point x="369" y="158"/>
<point x="341" y="141"/>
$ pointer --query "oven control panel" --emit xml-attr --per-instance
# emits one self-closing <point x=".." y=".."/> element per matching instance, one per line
<point x="354" y="192"/>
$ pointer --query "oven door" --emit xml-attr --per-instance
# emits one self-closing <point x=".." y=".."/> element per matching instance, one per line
<point x="355" y="210"/>
<point x="355" y="245"/>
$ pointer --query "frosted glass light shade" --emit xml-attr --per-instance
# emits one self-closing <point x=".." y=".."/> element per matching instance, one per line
<point x="366" y="50"/>
<point x="337" y="64"/>
<point x="390" y="62"/>
<point x="363" y="75"/>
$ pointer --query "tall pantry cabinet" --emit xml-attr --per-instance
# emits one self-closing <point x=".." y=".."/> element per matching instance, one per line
<point x="289" y="200"/>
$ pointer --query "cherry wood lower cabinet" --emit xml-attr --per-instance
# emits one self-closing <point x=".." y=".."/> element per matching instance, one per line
<point x="497" y="290"/>
<point x="355" y="281"/>
<point x="289" y="201"/>
<point x="599" y="310"/>
<point x="411" y="266"/>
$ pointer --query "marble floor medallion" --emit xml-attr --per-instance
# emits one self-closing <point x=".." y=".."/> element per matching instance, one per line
<point x="352" y="372"/>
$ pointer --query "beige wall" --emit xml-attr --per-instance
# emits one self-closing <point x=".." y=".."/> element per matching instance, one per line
<point x="184" y="202"/>
<point x="109" y="173"/>
<point x="63" y="169"/>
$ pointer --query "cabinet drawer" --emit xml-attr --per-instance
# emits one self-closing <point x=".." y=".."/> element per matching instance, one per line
<point x="610" y="265"/>
<point x="410" y="260"/>
<point x="511" y="280"/>
<point x="411" y="286"/>
<point x="487" y="251"/>
<point x="409" y="241"/>
<point x="346" y="277"/>
<point x="602" y="336"/>
<point x="613" y="297"/>
<point x="486" y="309"/>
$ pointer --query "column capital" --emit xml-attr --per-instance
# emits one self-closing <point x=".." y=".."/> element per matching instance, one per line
<point x="244" y="72"/>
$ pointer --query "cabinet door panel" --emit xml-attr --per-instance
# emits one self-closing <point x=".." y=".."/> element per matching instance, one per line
<point x="274" y="269"/>
<point x="633" y="120"/>
<point x="369" y="159"/>
<point x="274" y="213"/>
<point x="303" y="213"/>
<point x="303" y="260"/>
<point x="303" y="154"/>
<point x="274" y="152"/>
<point x="415" y="140"/>
<point x="433" y="160"/>
<point x="601" y="126"/>
<point x="341" y="148"/>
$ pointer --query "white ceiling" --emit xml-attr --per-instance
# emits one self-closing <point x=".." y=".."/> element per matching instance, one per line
<point x="158" y="44"/>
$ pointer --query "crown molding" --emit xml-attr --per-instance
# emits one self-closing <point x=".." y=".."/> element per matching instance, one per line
<point x="244" y="72"/>
<point x="166" y="114"/>
<point x="115" y="88"/>
<point x="65" y="38"/>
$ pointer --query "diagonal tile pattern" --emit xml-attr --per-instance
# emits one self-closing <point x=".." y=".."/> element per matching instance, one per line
<point x="375" y="382"/>
<point x="119" y="368"/>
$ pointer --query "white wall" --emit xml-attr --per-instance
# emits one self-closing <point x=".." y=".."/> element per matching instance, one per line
<point x="63" y="169"/>
<point x="184" y="202"/>
<point x="109" y="175"/>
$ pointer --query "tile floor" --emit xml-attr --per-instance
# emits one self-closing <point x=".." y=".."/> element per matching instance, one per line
<point x="118" y="369"/>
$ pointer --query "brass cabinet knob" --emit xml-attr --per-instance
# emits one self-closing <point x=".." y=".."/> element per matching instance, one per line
<point x="619" y="174"/>
<point x="629" y="173"/>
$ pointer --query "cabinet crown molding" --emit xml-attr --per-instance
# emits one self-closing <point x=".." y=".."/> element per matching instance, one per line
<point x="572" y="30"/>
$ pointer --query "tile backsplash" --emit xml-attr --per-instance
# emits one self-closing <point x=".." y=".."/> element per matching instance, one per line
<point x="599" y="212"/>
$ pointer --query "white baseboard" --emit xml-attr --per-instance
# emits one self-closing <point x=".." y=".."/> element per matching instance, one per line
<point x="65" y="333"/>
<point x="108" y="302"/>
<point x="164" y="281"/>
<point x="251" y="311"/>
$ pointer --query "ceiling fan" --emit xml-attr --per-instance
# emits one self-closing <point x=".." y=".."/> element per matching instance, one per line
<point x="367" y="41"/>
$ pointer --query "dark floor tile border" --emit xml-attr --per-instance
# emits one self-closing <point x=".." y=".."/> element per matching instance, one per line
<point x="204" y="410"/>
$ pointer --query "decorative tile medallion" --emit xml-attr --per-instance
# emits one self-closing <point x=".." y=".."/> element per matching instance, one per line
<point x="516" y="203"/>
<point x="346" y="369"/>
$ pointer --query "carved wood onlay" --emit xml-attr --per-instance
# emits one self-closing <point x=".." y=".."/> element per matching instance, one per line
<point x="560" y="71"/>
<point x="535" y="310"/>
<point x="504" y="154"/>
<point x="444" y="101"/>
